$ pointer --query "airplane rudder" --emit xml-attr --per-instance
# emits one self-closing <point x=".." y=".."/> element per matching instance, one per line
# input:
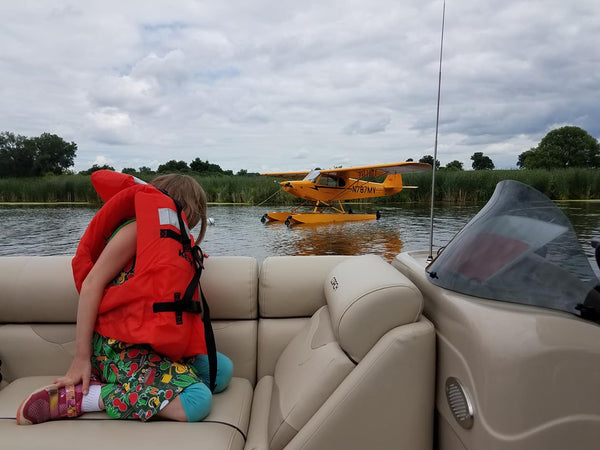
<point x="393" y="181"/>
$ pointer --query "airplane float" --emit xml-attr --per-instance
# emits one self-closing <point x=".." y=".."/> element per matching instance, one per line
<point x="325" y="190"/>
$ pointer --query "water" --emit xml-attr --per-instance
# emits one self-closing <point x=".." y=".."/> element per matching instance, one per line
<point x="55" y="230"/>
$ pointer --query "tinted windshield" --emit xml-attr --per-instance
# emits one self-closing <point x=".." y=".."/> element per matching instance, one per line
<point x="312" y="175"/>
<point x="519" y="248"/>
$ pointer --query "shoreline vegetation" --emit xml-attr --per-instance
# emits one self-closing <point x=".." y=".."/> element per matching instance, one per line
<point x="451" y="186"/>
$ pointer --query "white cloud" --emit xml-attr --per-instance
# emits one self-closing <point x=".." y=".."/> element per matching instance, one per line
<point x="278" y="84"/>
<point x="103" y="161"/>
<point x="109" y="125"/>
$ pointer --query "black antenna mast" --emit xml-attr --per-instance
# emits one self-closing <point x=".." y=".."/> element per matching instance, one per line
<point x="437" y="123"/>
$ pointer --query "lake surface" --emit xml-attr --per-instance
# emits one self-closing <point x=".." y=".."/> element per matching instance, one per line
<point x="237" y="230"/>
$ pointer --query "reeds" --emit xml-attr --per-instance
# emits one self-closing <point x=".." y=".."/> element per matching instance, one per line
<point x="478" y="185"/>
<point x="48" y="189"/>
<point x="451" y="186"/>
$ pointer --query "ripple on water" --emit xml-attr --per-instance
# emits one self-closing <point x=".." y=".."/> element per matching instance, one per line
<point x="239" y="231"/>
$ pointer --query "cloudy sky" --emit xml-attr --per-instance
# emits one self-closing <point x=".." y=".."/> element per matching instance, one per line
<point x="291" y="85"/>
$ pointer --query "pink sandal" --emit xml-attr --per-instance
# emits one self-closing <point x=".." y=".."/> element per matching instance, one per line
<point x="50" y="403"/>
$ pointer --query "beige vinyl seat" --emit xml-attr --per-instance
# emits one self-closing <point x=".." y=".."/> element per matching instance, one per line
<point x="359" y="374"/>
<point x="328" y="351"/>
<point x="38" y="308"/>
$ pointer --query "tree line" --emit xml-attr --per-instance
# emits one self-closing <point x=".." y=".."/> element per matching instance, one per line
<point x="197" y="166"/>
<point x="20" y="156"/>
<point x="562" y="148"/>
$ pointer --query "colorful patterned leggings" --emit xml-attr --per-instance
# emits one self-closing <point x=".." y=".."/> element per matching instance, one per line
<point x="140" y="382"/>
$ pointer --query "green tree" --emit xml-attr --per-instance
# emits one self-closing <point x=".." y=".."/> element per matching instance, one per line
<point x="429" y="160"/>
<point x="52" y="154"/>
<point x="173" y="166"/>
<point x="197" y="165"/>
<point x="95" y="168"/>
<point x="16" y="156"/>
<point x="454" y="165"/>
<point x="481" y="162"/>
<point x="145" y="170"/>
<point x="26" y="157"/>
<point x="245" y="173"/>
<point x="524" y="156"/>
<point x="563" y="148"/>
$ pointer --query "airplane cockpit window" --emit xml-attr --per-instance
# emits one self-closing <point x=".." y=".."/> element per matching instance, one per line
<point x="313" y="175"/>
<point x="328" y="180"/>
<point x="520" y="248"/>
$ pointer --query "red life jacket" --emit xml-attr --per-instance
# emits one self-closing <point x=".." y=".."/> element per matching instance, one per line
<point x="159" y="304"/>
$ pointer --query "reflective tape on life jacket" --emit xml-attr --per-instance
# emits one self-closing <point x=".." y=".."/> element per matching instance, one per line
<point x="159" y="304"/>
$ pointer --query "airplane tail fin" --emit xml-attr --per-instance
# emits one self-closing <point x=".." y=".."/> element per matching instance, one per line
<point x="393" y="181"/>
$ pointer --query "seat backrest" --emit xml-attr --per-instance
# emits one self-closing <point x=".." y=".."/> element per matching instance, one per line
<point x="230" y="284"/>
<point x="290" y="291"/>
<point x="366" y="298"/>
<point x="38" y="311"/>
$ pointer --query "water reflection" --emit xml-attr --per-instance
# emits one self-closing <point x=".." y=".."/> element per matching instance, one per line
<point x="349" y="238"/>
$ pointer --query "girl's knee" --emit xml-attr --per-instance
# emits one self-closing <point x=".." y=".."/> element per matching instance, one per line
<point x="224" y="370"/>
<point x="196" y="400"/>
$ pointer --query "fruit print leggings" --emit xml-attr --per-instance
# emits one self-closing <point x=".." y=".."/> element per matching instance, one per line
<point x="139" y="381"/>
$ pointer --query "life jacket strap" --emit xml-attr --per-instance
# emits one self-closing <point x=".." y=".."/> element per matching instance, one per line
<point x="186" y="303"/>
<point x="193" y="307"/>
<point x="209" y="336"/>
<point x="168" y="233"/>
<point x="181" y="237"/>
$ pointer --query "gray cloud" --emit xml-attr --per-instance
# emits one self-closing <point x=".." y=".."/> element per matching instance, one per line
<point x="368" y="126"/>
<point x="258" y="85"/>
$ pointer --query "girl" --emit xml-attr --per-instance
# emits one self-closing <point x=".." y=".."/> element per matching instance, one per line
<point x="140" y="348"/>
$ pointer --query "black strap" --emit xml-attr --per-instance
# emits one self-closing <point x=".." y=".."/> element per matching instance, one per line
<point x="187" y="303"/>
<point x="209" y="336"/>
<point x="178" y="305"/>
<point x="168" y="233"/>
<point x="181" y="237"/>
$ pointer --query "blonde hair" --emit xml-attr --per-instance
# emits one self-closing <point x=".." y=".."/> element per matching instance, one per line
<point x="190" y="195"/>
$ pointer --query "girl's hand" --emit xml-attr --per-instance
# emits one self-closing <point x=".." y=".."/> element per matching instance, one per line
<point x="79" y="372"/>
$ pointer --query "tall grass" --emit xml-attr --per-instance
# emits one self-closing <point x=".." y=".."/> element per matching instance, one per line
<point x="451" y="186"/>
<point x="251" y="190"/>
<point x="49" y="189"/>
<point x="478" y="185"/>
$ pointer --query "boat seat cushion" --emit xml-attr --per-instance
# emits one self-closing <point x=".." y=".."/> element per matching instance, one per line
<point x="365" y="300"/>
<point x="367" y="297"/>
<point x="310" y="368"/>
<point x="225" y="427"/>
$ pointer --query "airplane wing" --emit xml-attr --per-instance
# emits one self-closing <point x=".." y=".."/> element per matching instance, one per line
<point x="288" y="175"/>
<point x="378" y="170"/>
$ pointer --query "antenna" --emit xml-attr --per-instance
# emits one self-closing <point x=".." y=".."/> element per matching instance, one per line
<point x="437" y="123"/>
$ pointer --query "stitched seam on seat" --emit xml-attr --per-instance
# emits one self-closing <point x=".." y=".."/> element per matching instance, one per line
<point x="227" y="424"/>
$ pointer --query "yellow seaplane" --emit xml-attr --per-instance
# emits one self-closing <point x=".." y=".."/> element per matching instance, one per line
<point x="325" y="190"/>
